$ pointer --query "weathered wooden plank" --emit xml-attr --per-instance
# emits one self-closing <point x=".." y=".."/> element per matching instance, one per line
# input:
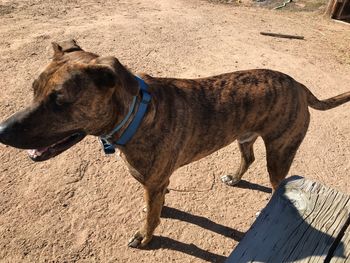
<point x="344" y="10"/>
<point x="342" y="251"/>
<point x="338" y="9"/>
<point x="299" y="224"/>
<point x="331" y="8"/>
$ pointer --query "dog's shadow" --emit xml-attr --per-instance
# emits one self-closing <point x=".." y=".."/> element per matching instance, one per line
<point x="173" y="213"/>
<point x="248" y="185"/>
<point x="159" y="242"/>
<point x="191" y="249"/>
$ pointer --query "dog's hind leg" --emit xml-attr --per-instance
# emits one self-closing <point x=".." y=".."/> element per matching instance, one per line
<point x="154" y="197"/>
<point x="245" y="145"/>
<point x="280" y="152"/>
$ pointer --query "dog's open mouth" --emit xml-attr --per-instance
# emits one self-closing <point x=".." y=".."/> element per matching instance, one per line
<point x="45" y="153"/>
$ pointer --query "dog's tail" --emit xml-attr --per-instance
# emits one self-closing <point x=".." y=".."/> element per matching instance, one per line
<point x="326" y="104"/>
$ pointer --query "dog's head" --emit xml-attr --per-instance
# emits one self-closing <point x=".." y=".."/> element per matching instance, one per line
<point x="78" y="94"/>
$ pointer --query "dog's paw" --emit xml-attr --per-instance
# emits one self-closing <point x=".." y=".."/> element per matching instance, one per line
<point x="139" y="240"/>
<point x="230" y="180"/>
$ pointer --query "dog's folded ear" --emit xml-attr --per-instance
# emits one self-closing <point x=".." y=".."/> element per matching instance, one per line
<point x="109" y="72"/>
<point x="103" y="76"/>
<point x="65" y="47"/>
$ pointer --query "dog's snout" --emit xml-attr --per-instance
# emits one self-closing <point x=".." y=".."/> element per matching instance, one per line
<point x="12" y="130"/>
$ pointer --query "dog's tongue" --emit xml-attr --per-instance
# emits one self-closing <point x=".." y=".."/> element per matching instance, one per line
<point x="37" y="152"/>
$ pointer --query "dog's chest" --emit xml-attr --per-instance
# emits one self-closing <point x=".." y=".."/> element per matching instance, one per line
<point x="138" y="176"/>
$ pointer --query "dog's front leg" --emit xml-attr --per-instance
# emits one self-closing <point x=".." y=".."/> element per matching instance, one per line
<point x="154" y="197"/>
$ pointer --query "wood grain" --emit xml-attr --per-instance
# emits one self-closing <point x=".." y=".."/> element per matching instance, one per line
<point x="300" y="224"/>
<point x="342" y="251"/>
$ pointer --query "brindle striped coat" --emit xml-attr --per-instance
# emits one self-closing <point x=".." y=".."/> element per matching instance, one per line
<point x="80" y="93"/>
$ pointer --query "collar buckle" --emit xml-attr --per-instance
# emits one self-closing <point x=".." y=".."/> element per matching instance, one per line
<point x="107" y="147"/>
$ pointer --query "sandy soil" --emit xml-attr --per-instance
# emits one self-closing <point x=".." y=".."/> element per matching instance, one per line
<point x="83" y="206"/>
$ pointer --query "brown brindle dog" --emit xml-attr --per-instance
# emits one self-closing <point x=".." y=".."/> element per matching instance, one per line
<point x="80" y="93"/>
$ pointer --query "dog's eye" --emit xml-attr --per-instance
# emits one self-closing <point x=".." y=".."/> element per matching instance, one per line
<point x="58" y="99"/>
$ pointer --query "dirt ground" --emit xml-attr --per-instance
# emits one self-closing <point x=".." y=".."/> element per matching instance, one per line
<point x="83" y="206"/>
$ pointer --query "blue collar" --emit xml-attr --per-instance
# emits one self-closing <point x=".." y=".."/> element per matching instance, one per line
<point x="107" y="140"/>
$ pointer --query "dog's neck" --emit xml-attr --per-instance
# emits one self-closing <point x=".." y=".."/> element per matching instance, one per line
<point x="133" y="113"/>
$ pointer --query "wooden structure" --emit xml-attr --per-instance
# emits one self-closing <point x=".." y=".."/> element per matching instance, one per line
<point x="339" y="9"/>
<point x="303" y="222"/>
